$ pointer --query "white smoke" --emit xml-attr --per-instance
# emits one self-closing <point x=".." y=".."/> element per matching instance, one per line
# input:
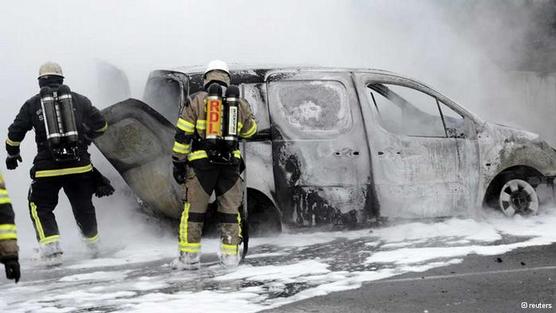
<point x="422" y="39"/>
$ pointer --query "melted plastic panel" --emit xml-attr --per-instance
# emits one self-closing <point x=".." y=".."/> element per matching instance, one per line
<point x="138" y="143"/>
<point x="130" y="143"/>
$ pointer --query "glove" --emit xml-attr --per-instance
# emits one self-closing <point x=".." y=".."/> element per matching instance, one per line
<point x="180" y="172"/>
<point x="12" y="161"/>
<point x="12" y="268"/>
<point x="103" y="187"/>
<point x="87" y="133"/>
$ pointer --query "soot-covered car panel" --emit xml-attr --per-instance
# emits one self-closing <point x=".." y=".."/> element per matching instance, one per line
<point x="340" y="147"/>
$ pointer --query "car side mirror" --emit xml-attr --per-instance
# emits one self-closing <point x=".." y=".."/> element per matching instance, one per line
<point x="261" y="135"/>
<point x="454" y="133"/>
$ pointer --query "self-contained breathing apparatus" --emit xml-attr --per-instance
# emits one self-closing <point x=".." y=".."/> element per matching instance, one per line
<point x="60" y="125"/>
<point x="221" y="137"/>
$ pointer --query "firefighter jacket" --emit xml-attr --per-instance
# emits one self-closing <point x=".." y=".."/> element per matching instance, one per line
<point x="192" y="123"/>
<point x="7" y="224"/>
<point x="90" y="123"/>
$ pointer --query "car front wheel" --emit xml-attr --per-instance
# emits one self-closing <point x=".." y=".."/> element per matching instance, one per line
<point x="518" y="197"/>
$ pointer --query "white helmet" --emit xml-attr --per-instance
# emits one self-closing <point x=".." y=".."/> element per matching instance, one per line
<point x="50" y="68"/>
<point x="217" y="65"/>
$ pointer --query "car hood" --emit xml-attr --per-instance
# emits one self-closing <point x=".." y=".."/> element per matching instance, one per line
<point x="511" y="132"/>
<point x="506" y="146"/>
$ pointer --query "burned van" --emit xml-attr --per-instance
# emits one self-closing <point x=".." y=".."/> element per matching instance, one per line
<point x="338" y="147"/>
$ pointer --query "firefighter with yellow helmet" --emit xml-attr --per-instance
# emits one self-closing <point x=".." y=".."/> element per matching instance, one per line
<point x="207" y="159"/>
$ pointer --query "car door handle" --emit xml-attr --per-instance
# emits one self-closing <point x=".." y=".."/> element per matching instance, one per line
<point x="346" y="152"/>
<point x="382" y="153"/>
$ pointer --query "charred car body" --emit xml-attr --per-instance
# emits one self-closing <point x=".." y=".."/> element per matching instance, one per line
<point x="338" y="147"/>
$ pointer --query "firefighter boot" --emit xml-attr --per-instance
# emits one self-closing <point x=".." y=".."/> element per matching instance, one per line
<point x="229" y="255"/>
<point x="51" y="254"/>
<point x="187" y="261"/>
<point x="93" y="249"/>
<point x="229" y="245"/>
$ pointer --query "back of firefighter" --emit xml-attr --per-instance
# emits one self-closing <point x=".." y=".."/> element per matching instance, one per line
<point x="209" y="171"/>
<point x="50" y="174"/>
<point x="8" y="235"/>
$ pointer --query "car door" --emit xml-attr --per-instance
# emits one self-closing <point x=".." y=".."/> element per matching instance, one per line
<point x="320" y="152"/>
<point x="422" y="163"/>
<point x="257" y="151"/>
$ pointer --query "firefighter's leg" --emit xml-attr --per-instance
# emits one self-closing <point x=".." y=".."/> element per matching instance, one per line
<point x="43" y="198"/>
<point x="80" y="188"/>
<point x="229" y="195"/>
<point x="199" y="186"/>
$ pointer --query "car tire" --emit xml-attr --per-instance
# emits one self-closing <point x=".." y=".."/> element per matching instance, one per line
<point x="263" y="218"/>
<point x="517" y="196"/>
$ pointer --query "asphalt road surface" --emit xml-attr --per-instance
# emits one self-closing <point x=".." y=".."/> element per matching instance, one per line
<point x="504" y="283"/>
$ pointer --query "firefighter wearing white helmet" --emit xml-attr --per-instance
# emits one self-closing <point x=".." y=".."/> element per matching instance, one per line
<point x="207" y="158"/>
<point x="217" y="71"/>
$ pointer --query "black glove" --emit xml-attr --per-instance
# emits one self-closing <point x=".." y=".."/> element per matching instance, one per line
<point x="103" y="187"/>
<point x="12" y="161"/>
<point x="88" y="133"/>
<point x="180" y="172"/>
<point x="12" y="268"/>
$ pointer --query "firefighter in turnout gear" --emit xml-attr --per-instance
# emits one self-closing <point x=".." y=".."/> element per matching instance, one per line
<point x="65" y="123"/>
<point x="207" y="159"/>
<point x="8" y="235"/>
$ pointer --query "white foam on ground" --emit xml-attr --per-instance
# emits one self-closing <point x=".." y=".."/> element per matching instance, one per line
<point x="96" y="276"/>
<point x="389" y="251"/>
<point x="265" y="255"/>
<point x="273" y="272"/>
<point x="204" y="301"/>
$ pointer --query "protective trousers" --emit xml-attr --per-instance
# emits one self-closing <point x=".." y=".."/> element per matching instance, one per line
<point x="43" y="198"/>
<point x="225" y="181"/>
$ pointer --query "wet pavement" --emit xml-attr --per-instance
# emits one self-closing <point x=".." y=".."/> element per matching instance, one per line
<point x="501" y="283"/>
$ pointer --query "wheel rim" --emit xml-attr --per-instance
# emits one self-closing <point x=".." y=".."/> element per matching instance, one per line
<point x="518" y="197"/>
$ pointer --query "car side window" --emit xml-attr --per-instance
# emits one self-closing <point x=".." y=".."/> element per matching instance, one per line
<point x="311" y="106"/>
<point x="455" y="126"/>
<point x="164" y="94"/>
<point x="255" y="94"/>
<point x="407" y="111"/>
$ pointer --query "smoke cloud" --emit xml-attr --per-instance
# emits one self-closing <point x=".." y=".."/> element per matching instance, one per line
<point x="465" y="49"/>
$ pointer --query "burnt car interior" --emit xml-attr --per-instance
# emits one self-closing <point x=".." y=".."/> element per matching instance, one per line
<point x="423" y="116"/>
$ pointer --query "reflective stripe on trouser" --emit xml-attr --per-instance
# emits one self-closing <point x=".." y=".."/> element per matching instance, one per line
<point x="200" y="184"/>
<point x="8" y="231"/>
<point x="46" y="220"/>
<point x="191" y="222"/>
<point x="4" y="198"/>
<point x="91" y="239"/>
